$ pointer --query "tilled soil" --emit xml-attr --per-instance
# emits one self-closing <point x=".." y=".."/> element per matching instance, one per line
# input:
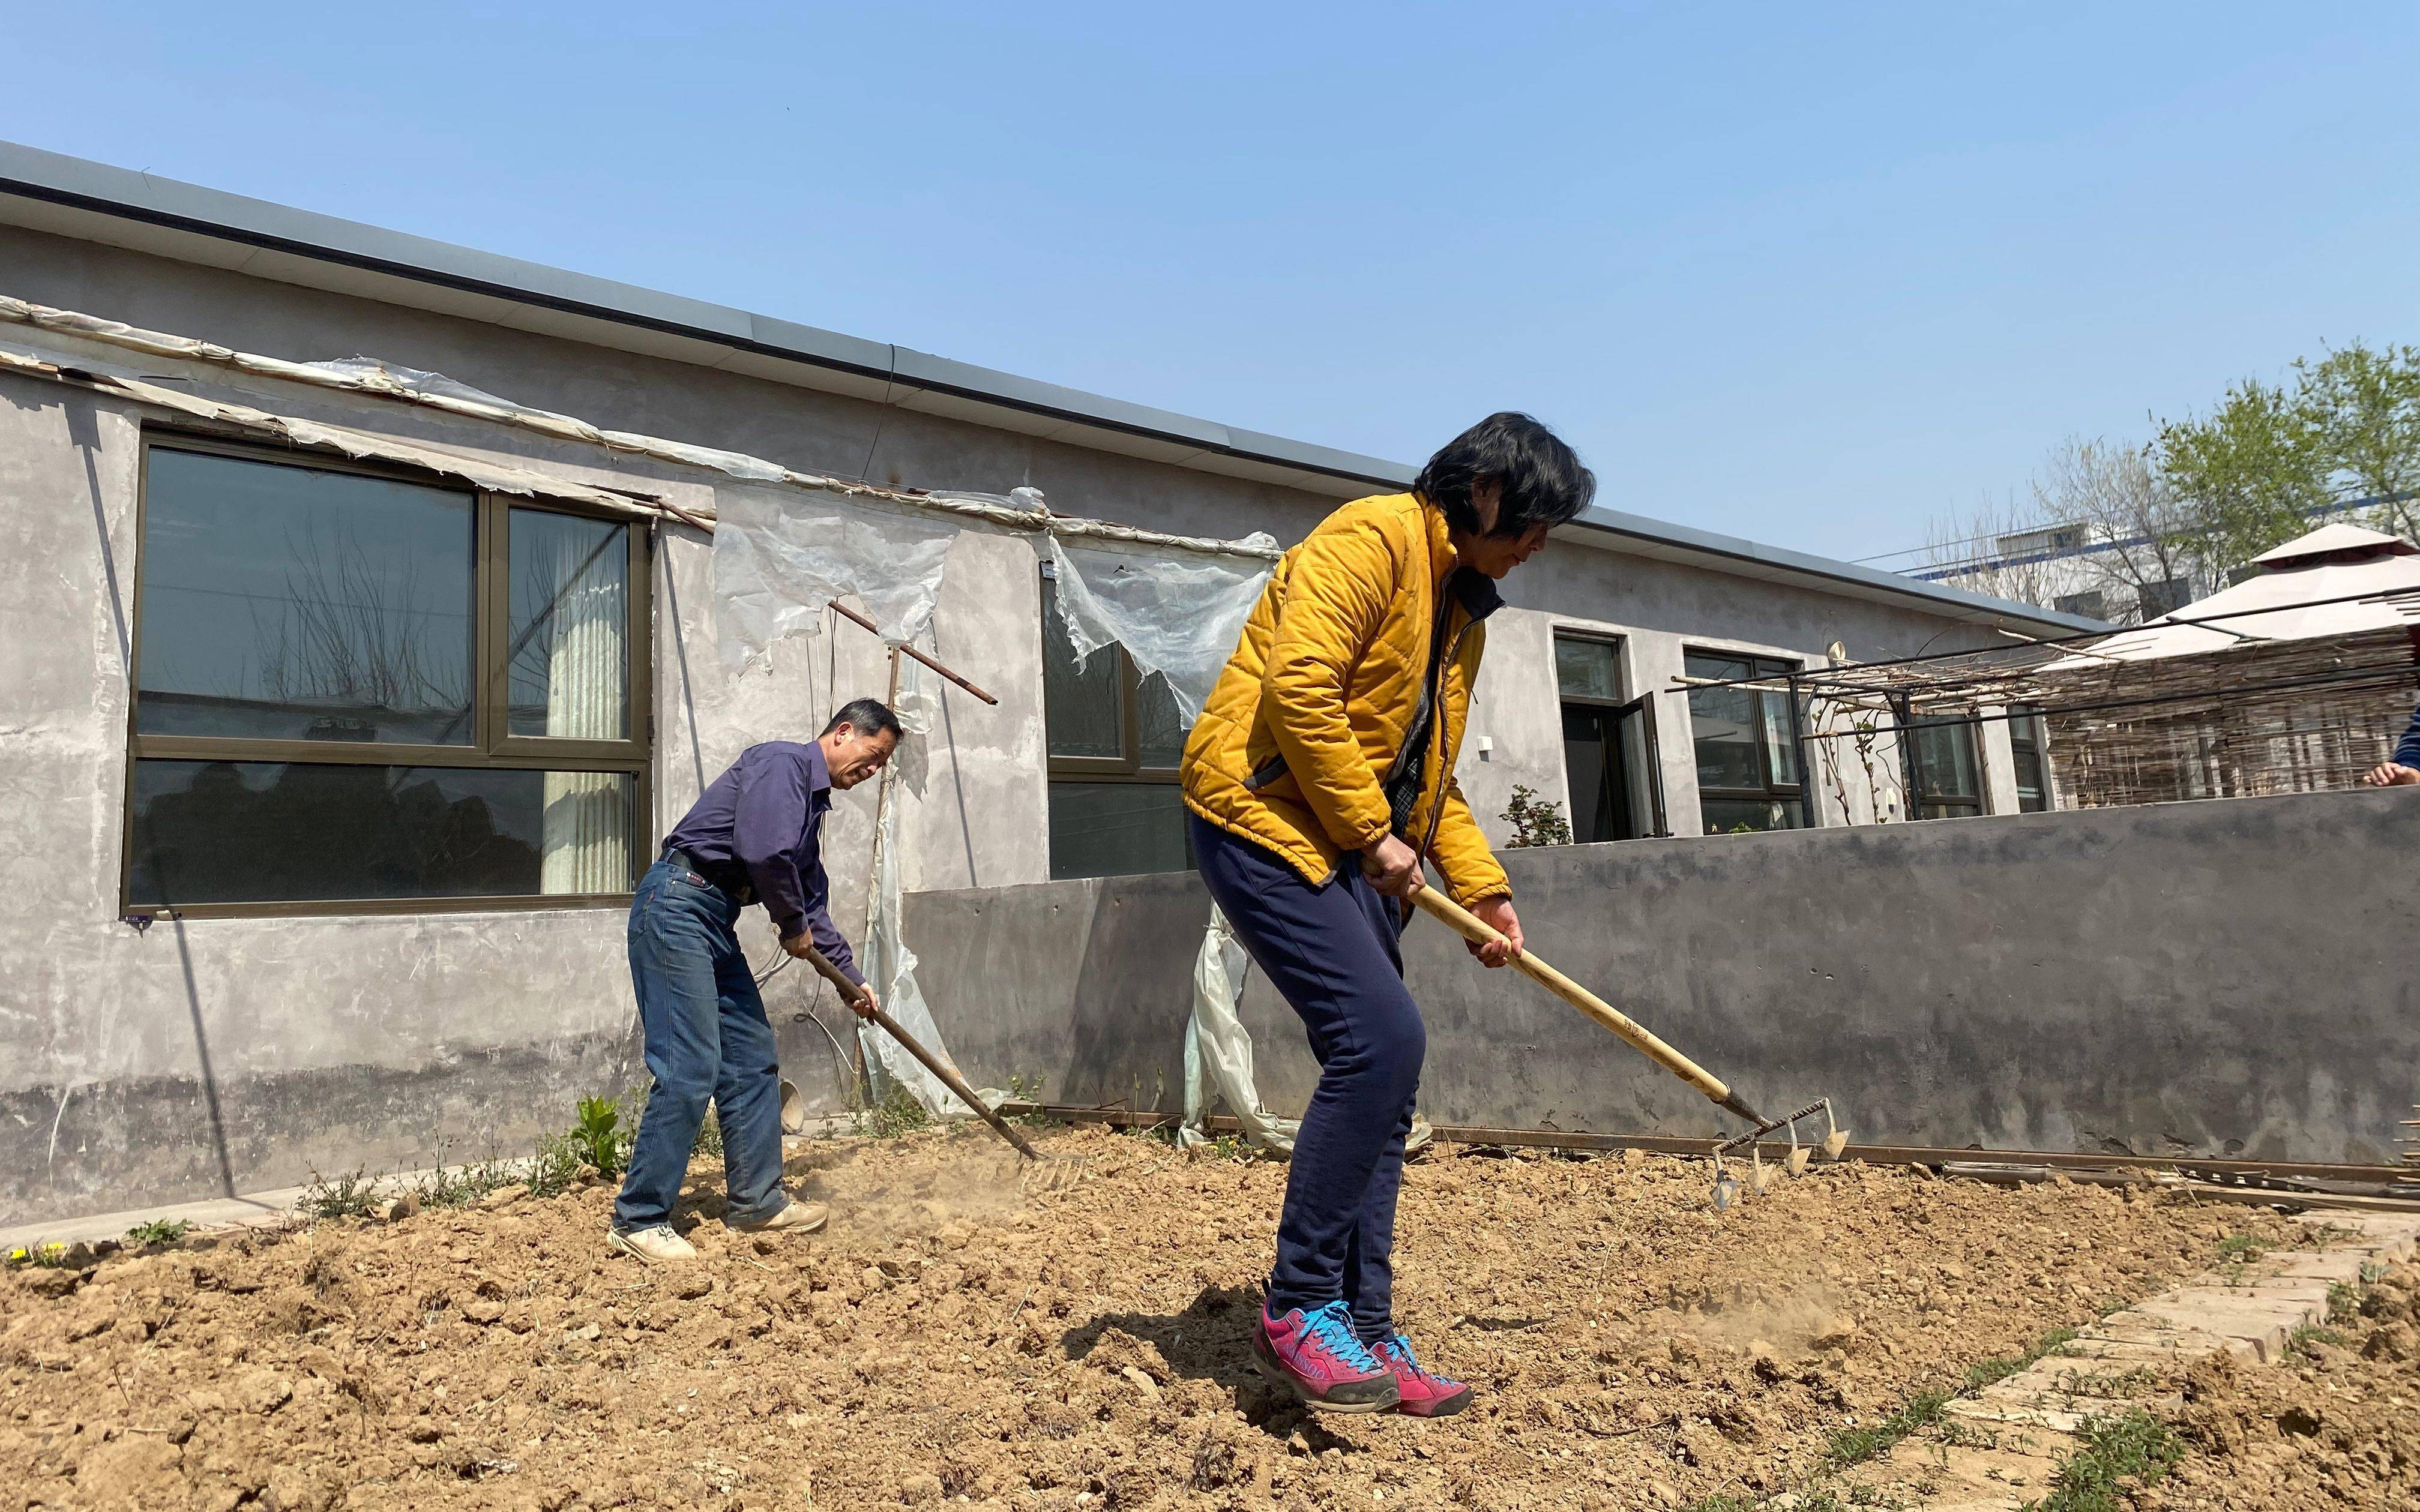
<point x="950" y="1338"/>
<point x="2340" y="1429"/>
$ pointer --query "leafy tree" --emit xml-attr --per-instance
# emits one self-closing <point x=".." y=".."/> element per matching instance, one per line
<point x="2343" y="430"/>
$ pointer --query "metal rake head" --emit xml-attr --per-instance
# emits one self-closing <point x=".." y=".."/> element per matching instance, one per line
<point x="1759" y="1175"/>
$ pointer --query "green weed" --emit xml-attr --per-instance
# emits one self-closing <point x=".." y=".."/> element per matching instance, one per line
<point x="2344" y="1302"/>
<point x="50" y="1256"/>
<point x="2240" y="1247"/>
<point x="898" y="1112"/>
<point x="709" y="1138"/>
<point x="2302" y="1338"/>
<point x="556" y="1165"/>
<point x="1854" y="1446"/>
<point x="348" y="1194"/>
<point x="159" y="1232"/>
<point x="464" y="1185"/>
<point x="2135" y="1446"/>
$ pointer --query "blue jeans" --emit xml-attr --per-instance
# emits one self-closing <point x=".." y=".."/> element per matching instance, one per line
<point x="706" y="1036"/>
<point x="1332" y="952"/>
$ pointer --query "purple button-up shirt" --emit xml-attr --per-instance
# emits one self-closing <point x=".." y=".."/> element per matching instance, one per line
<point x="767" y="814"/>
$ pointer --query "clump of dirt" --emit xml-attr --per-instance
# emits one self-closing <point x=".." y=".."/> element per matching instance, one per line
<point x="950" y="1338"/>
<point x="2340" y="1426"/>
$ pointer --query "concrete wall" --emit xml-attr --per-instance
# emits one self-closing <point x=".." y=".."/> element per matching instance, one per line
<point x="208" y="1056"/>
<point x="2225" y="978"/>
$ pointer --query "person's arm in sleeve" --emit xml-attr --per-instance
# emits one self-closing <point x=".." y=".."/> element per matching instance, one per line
<point x="828" y="936"/>
<point x="2402" y="769"/>
<point x="1336" y="597"/>
<point x="767" y="826"/>
<point x="1472" y="875"/>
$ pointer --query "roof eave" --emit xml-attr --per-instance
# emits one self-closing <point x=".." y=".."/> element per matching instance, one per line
<point x="98" y="201"/>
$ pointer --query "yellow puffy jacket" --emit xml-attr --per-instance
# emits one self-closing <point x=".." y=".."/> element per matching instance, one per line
<point x="1294" y="746"/>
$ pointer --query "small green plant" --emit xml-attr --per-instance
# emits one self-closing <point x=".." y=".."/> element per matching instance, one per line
<point x="2240" y="1247"/>
<point x="2136" y="1445"/>
<point x="348" y="1194"/>
<point x="898" y="1113"/>
<point x="2302" y="1339"/>
<point x="2344" y="1300"/>
<point x="159" y="1232"/>
<point x="50" y="1256"/>
<point x="556" y="1165"/>
<point x="598" y="1136"/>
<point x="1854" y="1446"/>
<point x="1023" y="1088"/>
<point x="464" y="1185"/>
<point x="710" y="1136"/>
<point x="1535" y="821"/>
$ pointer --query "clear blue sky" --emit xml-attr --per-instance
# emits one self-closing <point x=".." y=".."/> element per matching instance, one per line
<point x="1808" y="273"/>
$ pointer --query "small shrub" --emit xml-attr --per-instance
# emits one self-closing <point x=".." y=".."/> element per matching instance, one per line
<point x="1535" y="821"/>
<point x="598" y="1136"/>
<point x="2302" y="1337"/>
<point x="710" y="1136"/>
<point x="159" y="1232"/>
<point x="50" y="1256"/>
<point x="897" y="1113"/>
<point x="2240" y="1247"/>
<point x="2344" y="1300"/>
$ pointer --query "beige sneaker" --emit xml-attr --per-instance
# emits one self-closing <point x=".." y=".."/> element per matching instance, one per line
<point x="658" y="1246"/>
<point x="796" y="1218"/>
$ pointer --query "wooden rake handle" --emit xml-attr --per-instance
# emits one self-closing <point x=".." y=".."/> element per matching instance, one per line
<point x="861" y="1003"/>
<point x="1461" y="920"/>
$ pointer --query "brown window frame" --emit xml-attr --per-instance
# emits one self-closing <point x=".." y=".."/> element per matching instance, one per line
<point x="1124" y="769"/>
<point x="492" y="748"/>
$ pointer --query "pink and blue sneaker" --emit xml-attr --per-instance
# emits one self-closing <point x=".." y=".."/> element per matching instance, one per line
<point x="1420" y="1394"/>
<point x="1315" y="1355"/>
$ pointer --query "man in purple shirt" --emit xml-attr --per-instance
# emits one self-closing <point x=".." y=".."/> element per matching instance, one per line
<point x="754" y="836"/>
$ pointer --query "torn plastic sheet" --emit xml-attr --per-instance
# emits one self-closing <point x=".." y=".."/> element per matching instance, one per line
<point x="1218" y="1053"/>
<point x="890" y="966"/>
<point x="1178" y="613"/>
<point x="781" y="554"/>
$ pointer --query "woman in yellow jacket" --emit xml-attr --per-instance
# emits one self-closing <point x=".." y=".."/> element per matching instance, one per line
<point x="1320" y="781"/>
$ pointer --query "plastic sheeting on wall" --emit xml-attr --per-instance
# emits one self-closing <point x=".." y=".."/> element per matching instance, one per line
<point x="890" y="966"/>
<point x="781" y="554"/>
<point x="1218" y="1051"/>
<point x="1178" y="613"/>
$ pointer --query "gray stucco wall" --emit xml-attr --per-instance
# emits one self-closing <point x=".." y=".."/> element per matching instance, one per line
<point x="215" y="1056"/>
<point x="2222" y="977"/>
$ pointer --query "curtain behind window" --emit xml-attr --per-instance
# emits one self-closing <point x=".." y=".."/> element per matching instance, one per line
<point x="572" y="588"/>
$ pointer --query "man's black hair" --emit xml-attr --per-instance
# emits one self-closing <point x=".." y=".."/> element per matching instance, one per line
<point x="1542" y="479"/>
<point x="866" y="716"/>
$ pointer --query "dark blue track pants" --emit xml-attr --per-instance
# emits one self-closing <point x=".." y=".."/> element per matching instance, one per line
<point x="1331" y="951"/>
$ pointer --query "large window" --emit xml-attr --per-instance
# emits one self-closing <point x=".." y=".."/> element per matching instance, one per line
<point x="361" y="690"/>
<point x="1747" y="741"/>
<point x="2029" y="750"/>
<point x="1950" y="769"/>
<point x="1608" y="745"/>
<point x="1115" y="741"/>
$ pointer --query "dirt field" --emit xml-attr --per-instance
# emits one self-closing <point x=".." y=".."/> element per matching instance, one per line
<point x="2342" y="1429"/>
<point x="949" y="1339"/>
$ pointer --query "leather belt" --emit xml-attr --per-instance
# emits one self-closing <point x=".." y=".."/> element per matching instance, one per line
<point x="730" y="878"/>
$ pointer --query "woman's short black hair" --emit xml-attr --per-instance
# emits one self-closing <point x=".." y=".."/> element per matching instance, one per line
<point x="1543" y="480"/>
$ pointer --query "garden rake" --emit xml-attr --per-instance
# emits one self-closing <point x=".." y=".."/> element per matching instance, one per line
<point x="1040" y="1173"/>
<point x="1727" y="1186"/>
